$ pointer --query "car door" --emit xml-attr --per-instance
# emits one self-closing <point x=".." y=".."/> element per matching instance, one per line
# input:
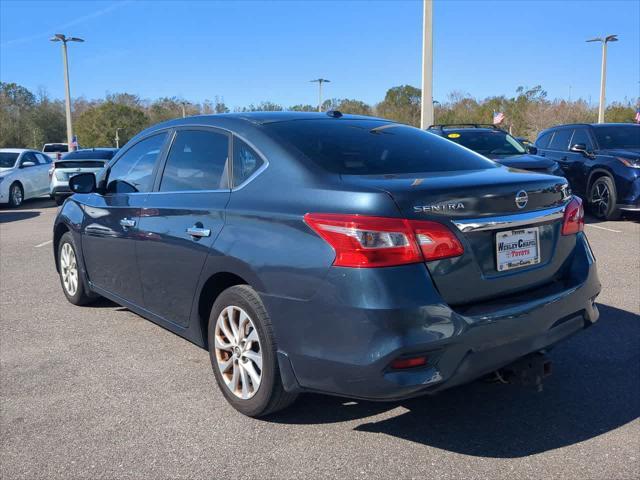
<point x="29" y="174"/>
<point x="111" y="220"/>
<point x="576" y="162"/>
<point x="558" y="149"/>
<point x="42" y="179"/>
<point x="181" y="220"/>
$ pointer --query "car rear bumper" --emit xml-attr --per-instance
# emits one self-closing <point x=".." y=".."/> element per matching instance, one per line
<point x="343" y="340"/>
<point x="61" y="191"/>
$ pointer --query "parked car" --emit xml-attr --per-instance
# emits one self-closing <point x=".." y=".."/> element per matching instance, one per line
<point x="23" y="175"/>
<point x="55" y="151"/>
<point x="81" y="161"/>
<point x="330" y="253"/>
<point x="498" y="145"/>
<point x="601" y="162"/>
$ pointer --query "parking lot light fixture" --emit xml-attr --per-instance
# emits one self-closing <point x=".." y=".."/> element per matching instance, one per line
<point x="59" y="37"/>
<point x="603" y="71"/>
<point x="320" y="81"/>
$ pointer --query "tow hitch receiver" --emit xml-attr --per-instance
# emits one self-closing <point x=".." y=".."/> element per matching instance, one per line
<point x="527" y="371"/>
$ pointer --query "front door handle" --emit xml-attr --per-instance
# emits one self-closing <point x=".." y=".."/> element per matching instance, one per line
<point x="199" y="232"/>
<point x="128" y="223"/>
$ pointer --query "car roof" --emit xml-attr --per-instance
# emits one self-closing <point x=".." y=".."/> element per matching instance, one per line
<point x="261" y="118"/>
<point x="18" y="150"/>
<point x="594" y="125"/>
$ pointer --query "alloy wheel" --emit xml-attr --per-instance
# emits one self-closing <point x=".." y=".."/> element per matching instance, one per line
<point x="16" y="195"/>
<point x="238" y="352"/>
<point x="69" y="269"/>
<point x="600" y="198"/>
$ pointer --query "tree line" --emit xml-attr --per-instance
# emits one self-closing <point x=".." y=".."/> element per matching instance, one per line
<point x="28" y="120"/>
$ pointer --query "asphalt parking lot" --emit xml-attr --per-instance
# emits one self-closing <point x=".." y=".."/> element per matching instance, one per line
<point x="98" y="392"/>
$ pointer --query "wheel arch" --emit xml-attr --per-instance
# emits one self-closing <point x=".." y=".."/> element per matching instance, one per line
<point x="594" y="175"/>
<point x="59" y="230"/>
<point x="210" y="291"/>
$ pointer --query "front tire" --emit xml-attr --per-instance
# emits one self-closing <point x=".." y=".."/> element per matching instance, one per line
<point x="603" y="198"/>
<point x="242" y="350"/>
<point x="71" y="279"/>
<point x="16" y="195"/>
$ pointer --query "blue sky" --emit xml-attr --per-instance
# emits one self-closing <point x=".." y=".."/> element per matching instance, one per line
<point x="247" y="52"/>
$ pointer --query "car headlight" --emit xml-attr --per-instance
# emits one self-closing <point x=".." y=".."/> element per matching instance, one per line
<point x="628" y="162"/>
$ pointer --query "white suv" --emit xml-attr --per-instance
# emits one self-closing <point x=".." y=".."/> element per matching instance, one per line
<point x="55" y="151"/>
<point x="80" y="161"/>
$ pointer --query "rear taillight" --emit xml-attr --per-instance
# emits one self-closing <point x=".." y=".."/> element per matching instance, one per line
<point x="363" y="241"/>
<point x="573" y="217"/>
<point x="51" y="172"/>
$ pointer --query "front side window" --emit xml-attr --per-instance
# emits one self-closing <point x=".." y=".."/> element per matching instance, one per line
<point x="197" y="161"/>
<point x="29" y="157"/>
<point x="560" y="140"/>
<point x="581" y="135"/>
<point x="373" y="147"/>
<point x="133" y="172"/>
<point x="245" y="161"/>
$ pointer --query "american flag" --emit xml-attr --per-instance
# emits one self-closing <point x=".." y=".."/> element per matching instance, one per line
<point x="637" y="115"/>
<point x="498" y="118"/>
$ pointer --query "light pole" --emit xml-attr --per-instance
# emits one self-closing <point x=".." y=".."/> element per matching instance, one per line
<point x="118" y="137"/>
<point x="426" y="116"/>
<point x="603" y="71"/>
<point x="320" y="81"/>
<point x="59" y="37"/>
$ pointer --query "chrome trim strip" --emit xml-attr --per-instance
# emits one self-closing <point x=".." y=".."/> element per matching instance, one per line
<point x="509" y="221"/>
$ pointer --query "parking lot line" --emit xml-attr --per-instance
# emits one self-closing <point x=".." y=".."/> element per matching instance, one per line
<point x="604" y="228"/>
<point x="43" y="244"/>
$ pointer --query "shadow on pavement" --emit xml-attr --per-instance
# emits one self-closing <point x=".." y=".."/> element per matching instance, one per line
<point x="595" y="388"/>
<point x="16" y="215"/>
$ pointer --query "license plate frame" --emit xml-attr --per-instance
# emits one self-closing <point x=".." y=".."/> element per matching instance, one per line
<point x="512" y="254"/>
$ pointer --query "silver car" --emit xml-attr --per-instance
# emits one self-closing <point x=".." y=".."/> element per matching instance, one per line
<point x="81" y="161"/>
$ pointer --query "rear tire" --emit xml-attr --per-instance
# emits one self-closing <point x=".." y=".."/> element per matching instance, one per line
<point x="603" y="198"/>
<point x="16" y="195"/>
<point x="59" y="200"/>
<point x="71" y="279"/>
<point x="242" y="350"/>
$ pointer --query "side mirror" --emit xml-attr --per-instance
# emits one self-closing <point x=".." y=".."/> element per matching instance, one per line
<point x="580" y="148"/>
<point x="27" y="164"/>
<point x="83" y="183"/>
<point x="532" y="150"/>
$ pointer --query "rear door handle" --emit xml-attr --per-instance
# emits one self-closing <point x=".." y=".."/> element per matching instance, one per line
<point x="199" y="232"/>
<point x="127" y="223"/>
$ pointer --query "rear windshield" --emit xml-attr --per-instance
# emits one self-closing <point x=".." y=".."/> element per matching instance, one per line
<point x="55" y="147"/>
<point x="620" y="136"/>
<point x="90" y="155"/>
<point x="368" y="147"/>
<point x="8" y="159"/>
<point x="487" y="142"/>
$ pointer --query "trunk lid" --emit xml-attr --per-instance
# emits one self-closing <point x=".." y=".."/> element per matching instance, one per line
<point x="477" y="205"/>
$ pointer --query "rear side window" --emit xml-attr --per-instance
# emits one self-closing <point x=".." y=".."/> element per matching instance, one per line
<point x="245" y="161"/>
<point x="43" y="158"/>
<point x="560" y="140"/>
<point x="197" y="161"/>
<point x="369" y="147"/>
<point x="133" y="172"/>
<point x="543" y="140"/>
